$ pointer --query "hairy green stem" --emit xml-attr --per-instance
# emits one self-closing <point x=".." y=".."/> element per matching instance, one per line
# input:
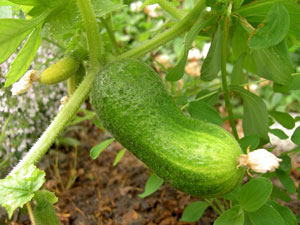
<point x="224" y="72"/>
<point x="92" y="31"/>
<point x="111" y="35"/>
<point x="29" y="209"/>
<point x="211" y="204"/>
<point x="171" y="9"/>
<point x="219" y="204"/>
<point x="167" y="35"/>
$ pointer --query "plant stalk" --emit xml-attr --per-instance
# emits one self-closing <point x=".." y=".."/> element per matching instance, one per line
<point x="224" y="72"/>
<point x="111" y="35"/>
<point x="171" y="9"/>
<point x="29" y="209"/>
<point x="92" y="32"/>
<point x="167" y="35"/>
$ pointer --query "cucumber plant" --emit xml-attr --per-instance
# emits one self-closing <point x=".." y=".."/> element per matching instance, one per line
<point x="190" y="152"/>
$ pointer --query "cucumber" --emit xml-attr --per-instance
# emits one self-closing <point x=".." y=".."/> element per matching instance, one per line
<point x="193" y="156"/>
<point x="60" y="70"/>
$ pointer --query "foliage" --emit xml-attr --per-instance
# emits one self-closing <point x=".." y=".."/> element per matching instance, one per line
<point x="254" y="45"/>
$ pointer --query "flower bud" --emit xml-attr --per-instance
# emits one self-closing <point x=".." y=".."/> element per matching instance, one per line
<point x="25" y="82"/>
<point x="260" y="160"/>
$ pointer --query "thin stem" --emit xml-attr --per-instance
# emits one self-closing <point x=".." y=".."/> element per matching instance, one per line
<point x="29" y="209"/>
<point x="167" y="35"/>
<point x="213" y="206"/>
<point x="111" y="35"/>
<point x="92" y="31"/>
<point x="224" y="73"/>
<point x="219" y="204"/>
<point x="65" y="115"/>
<point x="54" y="43"/>
<point x="171" y="9"/>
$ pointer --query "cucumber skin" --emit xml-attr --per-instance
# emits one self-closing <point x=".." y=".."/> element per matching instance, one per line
<point x="193" y="156"/>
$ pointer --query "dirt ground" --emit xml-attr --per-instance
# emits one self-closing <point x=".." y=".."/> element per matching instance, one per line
<point x="101" y="193"/>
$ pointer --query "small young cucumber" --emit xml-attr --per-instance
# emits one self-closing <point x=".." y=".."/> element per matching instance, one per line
<point x="194" y="156"/>
<point x="59" y="71"/>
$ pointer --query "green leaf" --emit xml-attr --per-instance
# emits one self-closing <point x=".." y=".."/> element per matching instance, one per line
<point x="103" y="7"/>
<point x="250" y="140"/>
<point x="119" y="156"/>
<point x="286" y="181"/>
<point x="255" y="194"/>
<point x="295" y="84"/>
<point x="237" y="75"/>
<point x="274" y="29"/>
<point x="19" y="188"/>
<point x="177" y="72"/>
<point x="193" y="211"/>
<point x="279" y="133"/>
<point x="152" y="185"/>
<point x="97" y="149"/>
<point x="24" y="58"/>
<point x="44" y="195"/>
<point x="287" y="215"/>
<point x="233" y="216"/>
<point x="210" y="99"/>
<point x="285" y="119"/>
<point x="233" y="194"/>
<point x="239" y="42"/>
<point x="296" y="136"/>
<point x="68" y="141"/>
<point x="255" y="117"/>
<point x="98" y="123"/>
<point x="212" y="63"/>
<point x="281" y="194"/>
<point x="265" y="215"/>
<point x="26" y="2"/>
<point x="286" y="163"/>
<point x="273" y="66"/>
<point x="202" y="111"/>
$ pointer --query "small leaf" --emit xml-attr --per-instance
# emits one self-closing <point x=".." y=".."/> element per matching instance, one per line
<point x="250" y="140"/>
<point x="202" y="111"/>
<point x="233" y="194"/>
<point x="287" y="215"/>
<point x="296" y="136"/>
<point x="279" y="133"/>
<point x="295" y="84"/>
<point x="281" y="194"/>
<point x="24" y="57"/>
<point x="255" y="194"/>
<point x="272" y="64"/>
<point x="19" y="188"/>
<point x="211" y="97"/>
<point x="255" y="118"/>
<point x="98" y="123"/>
<point x="152" y="185"/>
<point x="69" y="141"/>
<point x="96" y="150"/>
<point x="273" y="29"/>
<point x="286" y="181"/>
<point x="212" y="63"/>
<point x="286" y="163"/>
<point x="44" y="214"/>
<point x="265" y="215"/>
<point x="45" y="195"/>
<point x="177" y="72"/>
<point x="233" y="216"/>
<point x="193" y="211"/>
<point x="119" y="156"/>
<point x="237" y="75"/>
<point x="285" y="119"/>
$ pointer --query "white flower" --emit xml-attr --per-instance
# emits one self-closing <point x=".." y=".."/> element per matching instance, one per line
<point x="25" y="82"/>
<point x="153" y="10"/>
<point x="136" y="6"/>
<point x="63" y="101"/>
<point x="194" y="54"/>
<point x="260" y="160"/>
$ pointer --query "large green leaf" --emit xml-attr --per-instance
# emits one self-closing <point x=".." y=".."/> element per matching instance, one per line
<point x="256" y="11"/>
<point x="193" y="211"/>
<point x="286" y="181"/>
<point x="255" y="194"/>
<point x="255" y="117"/>
<point x="233" y="216"/>
<point x="237" y="75"/>
<point x="212" y="63"/>
<point x="265" y="215"/>
<point x="202" y="111"/>
<point x="153" y="183"/>
<point x="274" y="64"/>
<point x="274" y="29"/>
<point x="17" y="189"/>
<point x="177" y="72"/>
<point x="239" y="41"/>
<point x="287" y="215"/>
<point x="24" y="57"/>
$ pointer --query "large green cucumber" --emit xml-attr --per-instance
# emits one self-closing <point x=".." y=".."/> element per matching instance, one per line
<point x="193" y="156"/>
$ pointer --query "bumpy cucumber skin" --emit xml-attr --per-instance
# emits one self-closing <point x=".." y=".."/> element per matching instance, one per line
<point x="59" y="71"/>
<point x="193" y="156"/>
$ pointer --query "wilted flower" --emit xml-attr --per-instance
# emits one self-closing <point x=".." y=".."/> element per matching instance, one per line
<point x="25" y="82"/>
<point x="260" y="160"/>
<point x="63" y="101"/>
